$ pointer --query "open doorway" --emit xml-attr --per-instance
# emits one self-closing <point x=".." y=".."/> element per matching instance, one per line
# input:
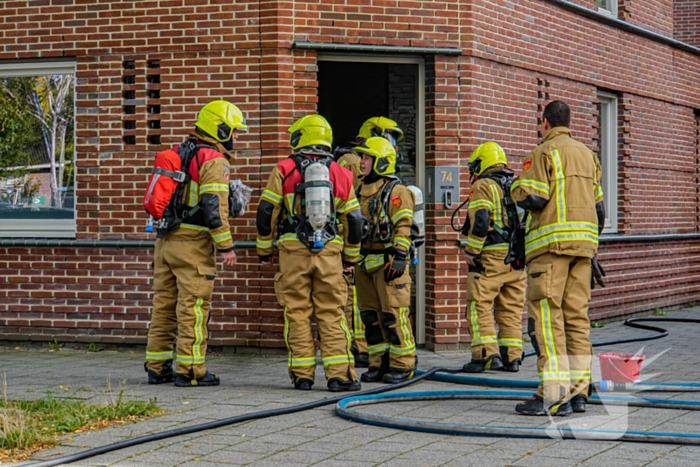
<point x="352" y="89"/>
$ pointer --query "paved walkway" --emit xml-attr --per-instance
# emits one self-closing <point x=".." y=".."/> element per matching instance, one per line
<point x="320" y="438"/>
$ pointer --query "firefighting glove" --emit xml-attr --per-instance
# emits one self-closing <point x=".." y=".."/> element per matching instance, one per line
<point x="597" y="273"/>
<point x="265" y="258"/>
<point x="395" y="264"/>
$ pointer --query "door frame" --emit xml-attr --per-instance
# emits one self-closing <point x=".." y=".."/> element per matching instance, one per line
<point x="420" y="156"/>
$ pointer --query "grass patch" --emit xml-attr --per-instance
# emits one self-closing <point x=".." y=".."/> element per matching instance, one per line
<point x="34" y="425"/>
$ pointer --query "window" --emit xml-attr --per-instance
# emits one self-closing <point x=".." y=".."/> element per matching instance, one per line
<point x="37" y="146"/>
<point x="608" y="6"/>
<point x="607" y="154"/>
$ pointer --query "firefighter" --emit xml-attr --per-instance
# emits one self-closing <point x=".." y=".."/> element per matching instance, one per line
<point x="560" y="189"/>
<point x="375" y="126"/>
<point x="312" y="262"/>
<point x="346" y="157"/>
<point x="492" y="283"/>
<point x="382" y="274"/>
<point x="185" y="259"/>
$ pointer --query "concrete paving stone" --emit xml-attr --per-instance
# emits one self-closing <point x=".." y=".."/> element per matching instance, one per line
<point x="542" y="461"/>
<point x="343" y="463"/>
<point x="258" y="447"/>
<point x="331" y="448"/>
<point x="307" y="431"/>
<point x="403" y="462"/>
<point x="271" y="463"/>
<point x="218" y="439"/>
<point x="285" y="439"/>
<point x="383" y="446"/>
<point x="235" y="457"/>
<point x="461" y="448"/>
<point x="203" y="463"/>
<point x="472" y="460"/>
<point x="163" y="456"/>
<point x="360" y="455"/>
<point x="354" y="440"/>
<point x="413" y="438"/>
<point x="432" y="457"/>
<point x="296" y="456"/>
<point x="199" y="449"/>
<point x="616" y="462"/>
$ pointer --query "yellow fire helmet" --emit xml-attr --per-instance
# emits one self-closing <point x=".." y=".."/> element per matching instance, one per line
<point x="218" y="119"/>
<point x="485" y="156"/>
<point x="383" y="153"/>
<point x="309" y="131"/>
<point x="381" y="126"/>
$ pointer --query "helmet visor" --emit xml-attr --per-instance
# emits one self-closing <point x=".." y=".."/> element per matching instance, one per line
<point x="389" y="137"/>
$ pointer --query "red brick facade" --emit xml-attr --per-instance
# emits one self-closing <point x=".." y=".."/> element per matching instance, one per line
<point x="686" y="21"/>
<point x="516" y="56"/>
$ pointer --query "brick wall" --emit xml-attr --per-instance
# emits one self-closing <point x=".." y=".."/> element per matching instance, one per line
<point x="511" y="66"/>
<point x="686" y="21"/>
<point x="654" y="15"/>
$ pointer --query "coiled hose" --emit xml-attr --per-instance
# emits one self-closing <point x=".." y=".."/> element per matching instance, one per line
<point x="345" y="402"/>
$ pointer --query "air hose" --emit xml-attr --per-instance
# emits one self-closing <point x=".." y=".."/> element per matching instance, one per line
<point x="602" y="386"/>
<point x="438" y="374"/>
<point x="554" y="432"/>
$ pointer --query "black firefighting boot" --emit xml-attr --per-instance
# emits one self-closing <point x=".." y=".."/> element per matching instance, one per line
<point x="513" y="366"/>
<point x="535" y="406"/>
<point x="166" y="374"/>
<point x="303" y="384"/>
<point x="493" y="362"/>
<point x="578" y="403"/>
<point x="361" y="359"/>
<point x="374" y="374"/>
<point x="338" y="385"/>
<point x="208" y="379"/>
<point x="397" y="376"/>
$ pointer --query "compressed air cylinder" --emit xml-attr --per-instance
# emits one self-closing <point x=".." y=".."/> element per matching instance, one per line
<point x="418" y="214"/>
<point x="318" y="199"/>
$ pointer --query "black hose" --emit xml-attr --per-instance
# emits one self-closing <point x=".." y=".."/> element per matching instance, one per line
<point x="633" y="323"/>
<point x="230" y="421"/>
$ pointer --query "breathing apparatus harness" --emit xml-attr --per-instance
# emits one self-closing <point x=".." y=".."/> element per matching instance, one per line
<point x="514" y="232"/>
<point x="177" y="210"/>
<point x="315" y="240"/>
<point x="379" y="225"/>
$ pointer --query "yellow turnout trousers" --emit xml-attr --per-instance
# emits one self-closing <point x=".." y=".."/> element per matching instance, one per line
<point x="501" y="289"/>
<point x="352" y="316"/>
<point x="559" y="289"/>
<point x="313" y="285"/>
<point x="182" y="285"/>
<point x="384" y="307"/>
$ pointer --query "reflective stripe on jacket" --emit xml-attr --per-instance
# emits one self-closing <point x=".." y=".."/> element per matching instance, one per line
<point x="400" y="208"/>
<point x="566" y="176"/>
<point x="209" y="188"/>
<point x="485" y="210"/>
<point x="277" y="198"/>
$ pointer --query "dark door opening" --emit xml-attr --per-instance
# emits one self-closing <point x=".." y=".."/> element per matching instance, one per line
<point x="351" y="92"/>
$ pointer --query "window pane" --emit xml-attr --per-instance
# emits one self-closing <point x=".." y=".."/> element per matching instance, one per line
<point x="37" y="124"/>
<point x="607" y="5"/>
<point x="607" y="155"/>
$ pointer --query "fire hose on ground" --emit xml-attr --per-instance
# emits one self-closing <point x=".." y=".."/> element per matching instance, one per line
<point x="345" y="404"/>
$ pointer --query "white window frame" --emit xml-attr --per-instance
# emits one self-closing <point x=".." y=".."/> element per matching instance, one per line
<point x="608" y="157"/>
<point x="44" y="228"/>
<point x="612" y="11"/>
